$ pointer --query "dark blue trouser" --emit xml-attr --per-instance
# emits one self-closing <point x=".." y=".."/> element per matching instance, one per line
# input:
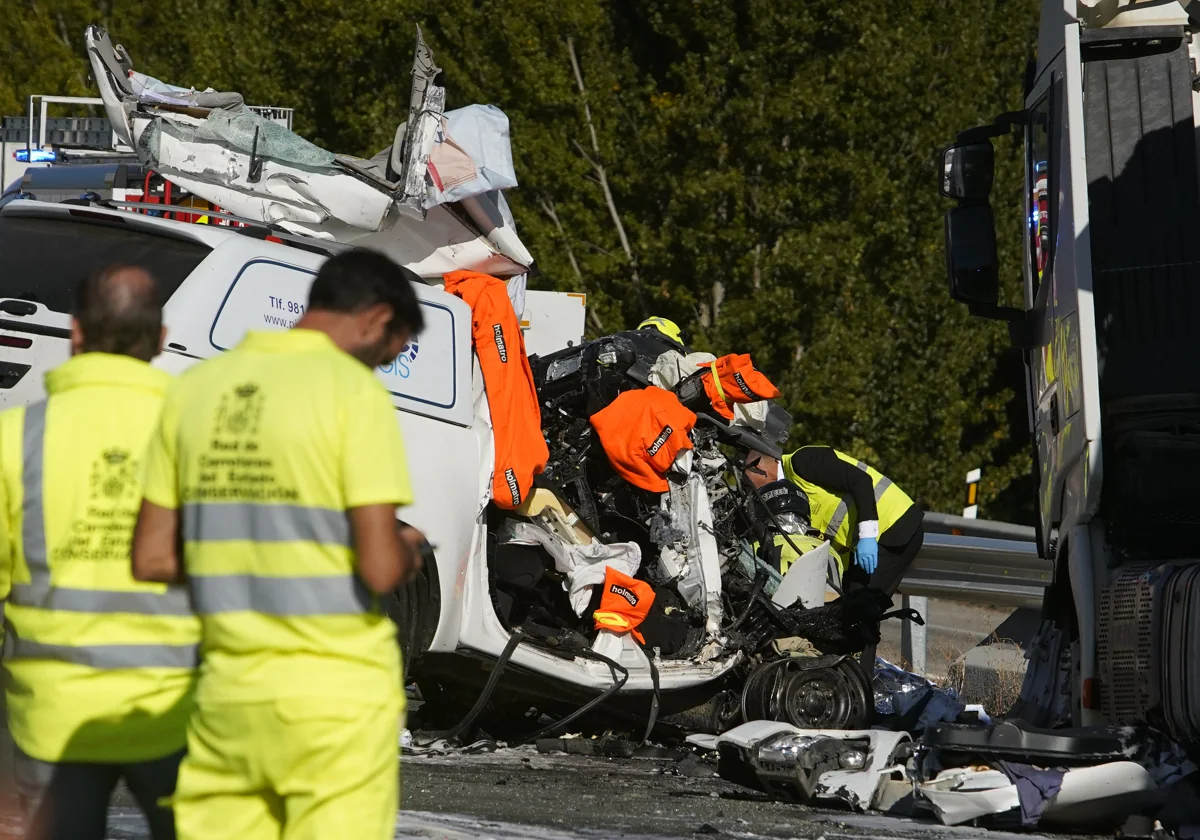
<point x="67" y="801"/>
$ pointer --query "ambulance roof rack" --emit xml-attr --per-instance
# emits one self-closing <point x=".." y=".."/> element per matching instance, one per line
<point x="248" y="227"/>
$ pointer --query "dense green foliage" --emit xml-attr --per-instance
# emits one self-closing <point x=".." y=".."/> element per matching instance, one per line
<point x="771" y="162"/>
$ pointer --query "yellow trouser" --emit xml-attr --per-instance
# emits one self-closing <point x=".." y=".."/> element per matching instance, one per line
<point x="304" y="768"/>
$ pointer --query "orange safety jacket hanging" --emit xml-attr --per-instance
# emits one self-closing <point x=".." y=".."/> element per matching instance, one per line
<point x="624" y="605"/>
<point x="734" y="379"/>
<point x="642" y="432"/>
<point x="521" y="451"/>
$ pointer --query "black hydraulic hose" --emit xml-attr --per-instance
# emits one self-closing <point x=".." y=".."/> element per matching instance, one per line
<point x="562" y="723"/>
<point x="484" y="696"/>
<point x="654" y="701"/>
<point x="760" y="581"/>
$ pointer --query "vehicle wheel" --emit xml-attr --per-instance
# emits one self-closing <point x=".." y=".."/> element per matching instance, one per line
<point x="416" y="607"/>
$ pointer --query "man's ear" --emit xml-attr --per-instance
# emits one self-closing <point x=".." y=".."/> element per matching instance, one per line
<point x="76" y="337"/>
<point x="162" y="340"/>
<point x="376" y="320"/>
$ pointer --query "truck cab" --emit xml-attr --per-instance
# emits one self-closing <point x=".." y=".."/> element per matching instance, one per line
<point x="1107" y="322"/>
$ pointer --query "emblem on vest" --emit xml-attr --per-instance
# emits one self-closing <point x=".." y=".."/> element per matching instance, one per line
<point x="239" y="411"/>
<point x="513" y="487"/>
<point x="659" y="441"/>
<point x="114" y="474"/>
<point x="741" y="383"/>
<point x="498" y="334"/>
<point x="617" y="589"/>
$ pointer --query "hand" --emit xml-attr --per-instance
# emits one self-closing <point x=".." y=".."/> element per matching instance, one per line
<point x="415" y="541"/>
<point x="866" y="554"/>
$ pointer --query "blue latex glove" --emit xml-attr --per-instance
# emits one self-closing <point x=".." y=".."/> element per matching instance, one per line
<point x="866" y="554"/>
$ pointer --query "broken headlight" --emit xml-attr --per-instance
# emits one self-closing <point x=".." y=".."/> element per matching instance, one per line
<point x="810" y="752"/>
<point x="791" y="765"/>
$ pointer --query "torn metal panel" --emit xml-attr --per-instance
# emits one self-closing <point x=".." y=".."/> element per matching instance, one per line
<point x="1088" y="796"/>
<point x="427" y="101"/>
<point x="810" y="765"/>
<point x="218" y="150"/>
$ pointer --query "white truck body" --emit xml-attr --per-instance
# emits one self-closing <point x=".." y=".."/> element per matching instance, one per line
<point x="1112" y="203"/>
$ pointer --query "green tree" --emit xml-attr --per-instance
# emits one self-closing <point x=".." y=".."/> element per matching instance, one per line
<point x="762" y="171"/>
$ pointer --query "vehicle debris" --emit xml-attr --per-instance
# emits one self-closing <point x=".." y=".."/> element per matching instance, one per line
<point x="811" y="765"/>
<point x="904" y="700"/>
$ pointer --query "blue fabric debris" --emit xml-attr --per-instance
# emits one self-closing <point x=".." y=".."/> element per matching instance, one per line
<point x="1035" y="788"/>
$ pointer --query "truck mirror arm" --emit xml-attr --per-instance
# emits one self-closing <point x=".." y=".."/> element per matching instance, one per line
<point x="1021" y="330"/>
<point x="1002" y="125"/>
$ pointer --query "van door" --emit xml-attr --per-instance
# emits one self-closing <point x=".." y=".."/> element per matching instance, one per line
<point x="42" y="260"/>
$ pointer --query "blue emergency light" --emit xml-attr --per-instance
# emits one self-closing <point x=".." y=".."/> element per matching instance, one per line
<point x="35" y="155"/>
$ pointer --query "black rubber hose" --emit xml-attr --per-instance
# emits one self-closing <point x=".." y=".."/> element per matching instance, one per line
<point x="654" y="701"/>
<point x="562" y="723"/>
<point x="760" y="581"/>
<point x="484" y="696"/>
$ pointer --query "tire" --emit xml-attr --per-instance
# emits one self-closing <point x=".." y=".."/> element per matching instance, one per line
<point x="416" y="609"/>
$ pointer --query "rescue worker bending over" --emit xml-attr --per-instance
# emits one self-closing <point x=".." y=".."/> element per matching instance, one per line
<point x="846" y="497"/>
<point x="279" y="465"/>
<point x="100" y="667"/>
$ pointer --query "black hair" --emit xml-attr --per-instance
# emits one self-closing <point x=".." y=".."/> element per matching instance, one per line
<point x="119" y="312"/>
<point x="354" y="280"/>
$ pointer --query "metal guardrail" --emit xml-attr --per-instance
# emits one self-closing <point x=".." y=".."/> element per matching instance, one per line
<point x="945" y="523"/>
<point x="982" y="570"/>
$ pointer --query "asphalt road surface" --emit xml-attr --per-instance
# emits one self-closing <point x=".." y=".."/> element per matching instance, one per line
<point x="514" y="795"/>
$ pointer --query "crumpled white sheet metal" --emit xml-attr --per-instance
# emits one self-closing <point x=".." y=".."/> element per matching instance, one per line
<point x="963" y="794"/>
<point x="584" y="565"/>
<point x="307" y="190"/>
<point x="694" y="562"/>
<point x="856" y="788"/>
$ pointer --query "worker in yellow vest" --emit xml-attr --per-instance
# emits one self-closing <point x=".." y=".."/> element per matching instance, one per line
<point x="863" y="514"/>
<point x="100" y="667"/>
<point x="280" y="466"/>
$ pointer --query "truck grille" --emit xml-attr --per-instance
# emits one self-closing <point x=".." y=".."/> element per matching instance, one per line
<point x="1125" y="646"/>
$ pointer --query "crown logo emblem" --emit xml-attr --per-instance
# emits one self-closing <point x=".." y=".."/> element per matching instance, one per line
<point x="116" y="456"/>
<point x="246" y="391"/>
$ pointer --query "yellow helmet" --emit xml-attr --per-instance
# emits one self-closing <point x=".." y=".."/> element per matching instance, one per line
<point x="668" y="328"/>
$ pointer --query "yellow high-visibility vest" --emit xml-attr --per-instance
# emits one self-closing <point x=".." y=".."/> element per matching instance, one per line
<point x="834" y="514"/>
<point x="100" y="666"/>
<point x="264" y="450"/>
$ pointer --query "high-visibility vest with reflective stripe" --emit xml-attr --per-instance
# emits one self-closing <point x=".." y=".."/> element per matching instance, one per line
<point x="100" y="666"/>
<point x="260" y="475"/>
<point x="835" y="515"/>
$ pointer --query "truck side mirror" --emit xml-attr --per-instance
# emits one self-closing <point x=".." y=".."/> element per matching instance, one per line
<point x="971" y="262"/>
<point x="967" y="171"/>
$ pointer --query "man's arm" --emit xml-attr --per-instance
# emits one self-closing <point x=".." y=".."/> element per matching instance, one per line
<point x="819" y="465"/>
<point x="156" y="544"/>
<point x="375" y="484"/>
<point x="388" y="555"/>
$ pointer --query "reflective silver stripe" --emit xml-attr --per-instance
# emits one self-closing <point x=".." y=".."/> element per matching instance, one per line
<point x="104" y="657"/>
<point x="882" y="487"/>
<point x="835" y="522"/>
<point x="281" y="596"/>
<point x="217" y="522"/>
<point x="33" y="520"/>
<point x="173" y="602"/>
<point x="40" y="592"/>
